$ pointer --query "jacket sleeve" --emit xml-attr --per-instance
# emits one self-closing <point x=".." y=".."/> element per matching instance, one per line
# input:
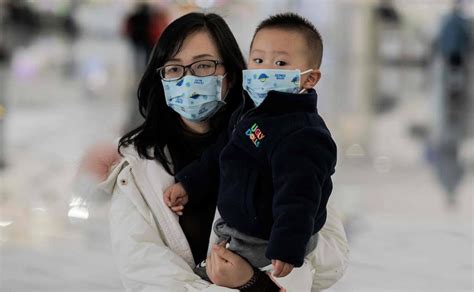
<point x="144" y="262"/>
<point x="330" y="258"/>
<point x="202" y="176"/>
<point x="300" y="163"/>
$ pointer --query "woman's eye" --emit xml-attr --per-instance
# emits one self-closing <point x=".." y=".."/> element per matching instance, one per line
<point x="204" y="66"/>
<point x="281" y="63"/>
<point x="171" y="69"/>
<point x="258" y="60"/>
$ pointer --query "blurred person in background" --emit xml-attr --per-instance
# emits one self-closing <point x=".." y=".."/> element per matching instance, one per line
<point x="142" y="28"/>
<point x="386" y="46"/>
<point x="19" y="25"/>
<point x="387" y="12"/>
<point x="453" y="47"/>
<point x="454" y="39"/>
<point x="154" y="248"/>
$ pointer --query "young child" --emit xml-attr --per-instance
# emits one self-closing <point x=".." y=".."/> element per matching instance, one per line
<point x="273" y="167"/>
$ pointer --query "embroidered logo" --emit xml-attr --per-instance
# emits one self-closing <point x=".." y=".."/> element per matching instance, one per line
<point x="255" y="135"/>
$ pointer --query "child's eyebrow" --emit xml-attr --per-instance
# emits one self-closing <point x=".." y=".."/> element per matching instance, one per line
<point x="257" y="51"/>
<point x="281" y="52"/>
<point x="275" y="52"/>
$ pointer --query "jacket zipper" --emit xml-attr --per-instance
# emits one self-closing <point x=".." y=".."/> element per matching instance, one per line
<point x="242" y="116"/>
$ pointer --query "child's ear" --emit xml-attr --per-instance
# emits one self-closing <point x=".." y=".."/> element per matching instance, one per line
<point x="312" y="79"/>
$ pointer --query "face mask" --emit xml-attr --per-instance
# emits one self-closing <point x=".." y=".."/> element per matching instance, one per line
<point x="259" y="82"/>
<point x="194" y="98"/>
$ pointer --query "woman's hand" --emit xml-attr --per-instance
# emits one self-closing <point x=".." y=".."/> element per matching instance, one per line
<point x="227" y="269"/>
<point x="98" y="159"/>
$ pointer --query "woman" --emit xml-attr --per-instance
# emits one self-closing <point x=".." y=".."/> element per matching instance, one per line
<point x="156" y="250"/>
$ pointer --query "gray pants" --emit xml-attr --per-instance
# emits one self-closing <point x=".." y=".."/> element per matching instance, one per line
<point x="249" y="247"/>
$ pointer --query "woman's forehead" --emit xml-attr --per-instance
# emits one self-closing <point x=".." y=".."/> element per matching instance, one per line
<point x="198" y="45"/>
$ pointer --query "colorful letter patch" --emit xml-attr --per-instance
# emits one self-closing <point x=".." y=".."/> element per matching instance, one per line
<point x="255" y="135"/>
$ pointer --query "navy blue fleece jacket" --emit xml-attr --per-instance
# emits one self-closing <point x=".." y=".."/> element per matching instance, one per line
<point x="272" y="169"/>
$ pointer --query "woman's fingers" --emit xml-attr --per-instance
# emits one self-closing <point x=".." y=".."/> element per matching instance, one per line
<point x="209" y="268"/>
<point x="225" y="254"/>
<point x="217" y="267"/>
<point x="228" y="268"/>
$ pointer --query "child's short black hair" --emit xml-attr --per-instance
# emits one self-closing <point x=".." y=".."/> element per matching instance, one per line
<point x="293" y="21"/>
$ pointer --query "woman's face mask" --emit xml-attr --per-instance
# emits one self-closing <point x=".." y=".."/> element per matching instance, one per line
<point x="258" y="82"/>
<point x="194" y="98"/>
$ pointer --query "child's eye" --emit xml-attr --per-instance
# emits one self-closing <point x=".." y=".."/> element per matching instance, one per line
<point x="258" y="60"/>
<point x="281" y="63"/>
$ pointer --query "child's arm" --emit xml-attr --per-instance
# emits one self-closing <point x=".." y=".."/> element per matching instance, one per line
<point x="300" y="164"/>
<point x="201" y="177"/>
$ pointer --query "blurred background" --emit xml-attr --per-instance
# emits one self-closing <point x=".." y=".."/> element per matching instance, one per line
<point x="396" y="92"/>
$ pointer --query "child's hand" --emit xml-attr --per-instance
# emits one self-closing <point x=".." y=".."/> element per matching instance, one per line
<point x="176" y="197"/>
<point x="281" y="269"/>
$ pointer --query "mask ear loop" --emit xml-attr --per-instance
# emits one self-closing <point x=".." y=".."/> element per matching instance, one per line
<point x="227" y="91"/>
<point x="304" y="72"/>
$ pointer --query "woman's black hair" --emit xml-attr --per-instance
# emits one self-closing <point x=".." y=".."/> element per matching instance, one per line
<point x="161" y="122"/>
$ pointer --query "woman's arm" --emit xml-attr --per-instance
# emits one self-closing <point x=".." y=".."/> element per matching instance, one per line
<point x="98" y="159"/>
<point x="144" y="261"/>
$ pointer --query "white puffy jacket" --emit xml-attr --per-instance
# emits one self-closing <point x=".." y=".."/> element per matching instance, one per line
<point x="152" y="252"/>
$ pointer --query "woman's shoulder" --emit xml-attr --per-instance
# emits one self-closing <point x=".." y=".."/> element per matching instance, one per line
<point x="131" y="155"/>
<point x="133" y="164"/>
<point x="130" y="158"/>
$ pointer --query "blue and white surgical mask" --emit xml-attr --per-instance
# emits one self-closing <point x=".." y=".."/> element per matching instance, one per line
<point x="194" y="98"/>
<point x="258" y="82"/>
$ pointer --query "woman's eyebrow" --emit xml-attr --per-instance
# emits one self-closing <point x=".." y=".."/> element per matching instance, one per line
<point x="173" y="60"/>
<point x="203" y="56"/>
<point x="194" y="58"/>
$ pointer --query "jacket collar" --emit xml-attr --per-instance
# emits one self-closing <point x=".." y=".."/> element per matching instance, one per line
<point x="282" y="102"/>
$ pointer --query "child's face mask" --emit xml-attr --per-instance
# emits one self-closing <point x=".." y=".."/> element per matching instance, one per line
<point x="258" y="82"/>
<point x="194" y="98"/>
